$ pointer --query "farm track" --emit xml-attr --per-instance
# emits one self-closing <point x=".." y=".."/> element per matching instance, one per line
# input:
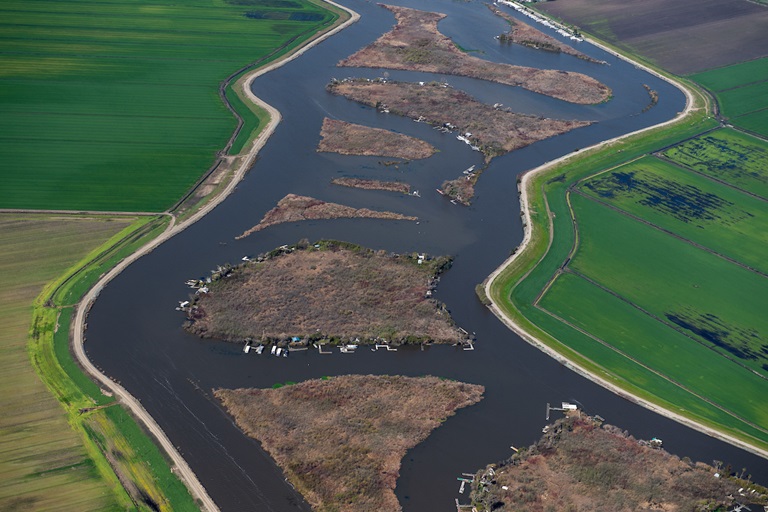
<point x="181" y="467"/>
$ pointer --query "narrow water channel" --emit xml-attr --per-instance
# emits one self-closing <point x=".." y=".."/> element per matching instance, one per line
<point x="135" y="336"/>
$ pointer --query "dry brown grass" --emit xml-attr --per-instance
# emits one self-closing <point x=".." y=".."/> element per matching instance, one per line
<point x="462" y="189"/>
<point x="389" y="186"/>
<point x="340" y="440"/>
<point x="354" y="139"/>
<point x="495" y="131"/>
<point x="416" y="44"/>
<point x="295" y="208"/>
<point x="579" y="466"/>
<point x="337" y="290"/>
<point x="524" y="34"/>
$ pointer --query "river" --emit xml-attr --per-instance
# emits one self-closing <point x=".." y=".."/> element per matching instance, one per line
<point x="135" y="335"/>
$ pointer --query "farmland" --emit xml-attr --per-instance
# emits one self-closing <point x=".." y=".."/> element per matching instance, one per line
<point x="632" y="288"/>
<point x="726" y="221"/>
<point x="726" y="155"/>
<point x="682" y="37"/>
<point x="742" y="93"/>
<point x="115" y="106"/>
<point x="43" y="464"/>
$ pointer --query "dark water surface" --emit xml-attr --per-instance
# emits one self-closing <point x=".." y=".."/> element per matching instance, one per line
<point x="135" y="335"/>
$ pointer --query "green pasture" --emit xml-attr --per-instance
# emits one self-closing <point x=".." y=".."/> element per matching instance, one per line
<point x="728" y="77"/>
<point x="726" y="155"/>
<point x="701" y="210"/>
<point x="743" y="100"/>
<point x="114" y="105"/>
<point x="706" y="297"/>
<point x="651" y="343"/>
<point x="756" y="122"/>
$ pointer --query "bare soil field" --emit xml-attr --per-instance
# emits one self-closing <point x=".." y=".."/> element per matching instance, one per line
<point x="683" y="37"/>
<point x="527" y="35"/>
<point x="580" y="464"/>
<point x="416" y="44"/>
<point x="340" y="440"/>
<point x="331" y="291"/>
<point x="354" y="139"/>
<point x="389" y="186"/>
<point x="494" y="131"/>
<point x="295" y="208"/>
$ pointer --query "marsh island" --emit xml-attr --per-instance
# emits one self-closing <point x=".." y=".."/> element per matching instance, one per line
<point x="331" y="291"/>
<point x="340" y="440"/>
<point x="494" y="131"/>
<point x="416" y="44"/>
<point x="355" y="139"/>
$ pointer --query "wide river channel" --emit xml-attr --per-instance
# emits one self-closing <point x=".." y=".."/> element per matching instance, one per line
<point x="134" y="333"/>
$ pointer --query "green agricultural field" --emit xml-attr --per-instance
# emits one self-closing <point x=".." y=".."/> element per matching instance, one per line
<point x="703" y="296"/>
<point x="727" y="155"/>
<point x="44" y="464"/>
<point x="711" y="214"/>
<point x="756" y="122"/>
<point x="651" y="343"/>
<point x="606" y="310"/>
<point x="743" y="100"/>
<point x="113" y="105"/>
<point x="728" y="77"/>
<point x="741" y="91"/>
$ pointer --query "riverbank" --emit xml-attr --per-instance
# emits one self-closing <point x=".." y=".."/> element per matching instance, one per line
<point x="539" y="225"/>
<point x="182" y="469"/>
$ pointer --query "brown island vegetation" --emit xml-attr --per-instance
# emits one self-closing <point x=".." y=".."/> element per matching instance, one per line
<point x="462" y="189"/>
<point x="340" y="440"/>
<point x="328" y="292"/>
<point x="524" y="34"/>
<point x="389" y="186"/>
<point x="354" y="139"/>
<point x="581" y="465"/>
<point x="494" y="131"/>
<point x="416" y="44"/>
<point x="295" y="208"/>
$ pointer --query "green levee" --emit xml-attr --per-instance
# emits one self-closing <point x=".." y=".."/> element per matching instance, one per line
<point x="733" y="76"/>
<point x="711" y="299"/>
<point x="644" y="339"/>
<point x="727" y="155"/>
<point x="708" y="213"/>
<point x="114" y="105"/>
